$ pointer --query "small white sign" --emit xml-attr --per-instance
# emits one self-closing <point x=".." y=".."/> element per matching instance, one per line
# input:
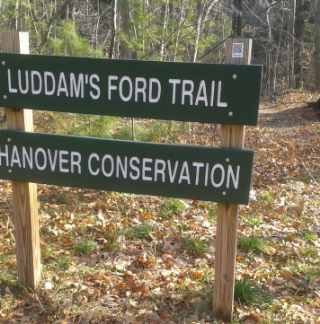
<point x="237" y="50"/>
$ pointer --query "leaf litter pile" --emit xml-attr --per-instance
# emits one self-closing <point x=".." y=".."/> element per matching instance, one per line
<point x="116" y="258"/>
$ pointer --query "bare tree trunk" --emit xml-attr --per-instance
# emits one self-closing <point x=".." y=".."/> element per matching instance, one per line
<point x="98" y="21"/>
<point x="49" y="25"/>
<point x="316" y="35"/>
<point x="298" y="32"/>
<point x="198" y="29"/>
<point x="292" y="14"/>
<point x="113" y="28"/>
<point x="268" y="51"/>
<point x="275" y="72"/>
<point x="164" y="30"/>
<point x="16" y="20"/>
<point x="124" y="12"/>
<point x="178" y="32"/>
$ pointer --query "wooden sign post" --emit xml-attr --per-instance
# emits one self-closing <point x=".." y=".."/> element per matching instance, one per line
<point x="232" y="136"/>
<point x="211" y="93"/>
<point x="24" y="195"/>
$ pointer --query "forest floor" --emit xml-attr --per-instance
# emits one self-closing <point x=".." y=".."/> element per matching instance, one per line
<point x="117" y="258"/>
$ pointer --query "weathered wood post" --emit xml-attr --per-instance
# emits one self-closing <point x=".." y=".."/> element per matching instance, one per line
<point x="232" y="136"/>
<point x="25" y="207"/>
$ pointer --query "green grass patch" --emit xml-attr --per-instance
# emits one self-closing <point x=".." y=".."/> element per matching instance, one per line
<point x="84" y="246"/>
<point x="253" y="244"/>
<point x="64" y="262"/>
<point x="266" y="196"/>
<point x="144" y="229"/>
<point x="303" y="179"/>
<point x="308" y="236"/>
<point x="251" y="220"/>
<point x="308" y="252"/>
<point x="195" y="245"/>
<point x="171" y="208"/>
<point x="249" y="292"/>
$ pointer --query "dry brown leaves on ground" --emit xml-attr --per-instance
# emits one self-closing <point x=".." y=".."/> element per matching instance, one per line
<point x="118" y="258"/>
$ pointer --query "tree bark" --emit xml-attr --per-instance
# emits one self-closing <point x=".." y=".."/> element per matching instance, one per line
<point x="316" y="39"/>
<point x="49" y="25"/>
<point x="124" y="11"/>
<point x="298" y="32"/>
<point x="113" y="28"/>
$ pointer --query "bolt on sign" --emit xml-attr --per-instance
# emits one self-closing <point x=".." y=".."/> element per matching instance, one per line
<point x="209" y="93"/>
<point x="181" y="171"/>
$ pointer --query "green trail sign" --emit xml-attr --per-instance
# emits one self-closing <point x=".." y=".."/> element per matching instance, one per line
<point x="209" y="93"/>
<point x="192" y="172"/>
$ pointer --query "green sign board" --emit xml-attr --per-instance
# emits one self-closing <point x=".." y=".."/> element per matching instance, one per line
<point x="209" y="93"/>
<point x="192" y="172"/>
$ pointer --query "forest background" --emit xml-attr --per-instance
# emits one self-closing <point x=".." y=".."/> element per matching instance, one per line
<point x="110" y="257"/>
<point x="286" y="33"/>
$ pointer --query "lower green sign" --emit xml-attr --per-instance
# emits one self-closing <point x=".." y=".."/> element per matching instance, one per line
<point x="192" y="172"/>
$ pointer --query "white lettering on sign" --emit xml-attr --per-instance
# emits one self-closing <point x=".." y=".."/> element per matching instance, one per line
<point x="198" y="166"/>
<point x="12" y="90"/>
<point x="76" y="87"/>
<point x="26" y="89"/>
<point x="124" y="88"/>
<point x="15" y="157"/>
<point x="47" y="92"/>
<point x="174" y="83"/>
<point x="146" y="169"/>
<point x="127" y="87"/>
<point x="172" y="175"/>
<point x="63" y="161"/>
<point x="184" y="174"/>
<point x="152" y="82"/>
<point x="4" y="154"/>
<point x="36" y="75"/>
<point x="141" y="90"/>
<point x="110" y="158"/>
<point x="38" y="160"/>
<point x="26" y="157"/>
<point x="134" y="168"/>
<point x="94" y="86"/>
<point x="75" y="162"/>
<point x="122" y="166"/>
<point x="122" y="96"/>
<point x="96" y="156"/>
<point x="46" y="83"/>
<point x="52" y="159"/>
<point x="158" y="170"/>
<point x="202" y="94"/>
<point x="189" y="91"/>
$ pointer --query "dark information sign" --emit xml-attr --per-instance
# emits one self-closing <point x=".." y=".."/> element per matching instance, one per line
<point x="192" y="172"/>
<point x="209" y="93"/>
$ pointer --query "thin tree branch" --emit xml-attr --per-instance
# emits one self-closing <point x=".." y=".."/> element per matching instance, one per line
<point x="212" y="49"/>
<point x="49" y="25"/>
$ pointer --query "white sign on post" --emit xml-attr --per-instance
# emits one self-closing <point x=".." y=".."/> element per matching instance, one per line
<point x="237" y="50"/>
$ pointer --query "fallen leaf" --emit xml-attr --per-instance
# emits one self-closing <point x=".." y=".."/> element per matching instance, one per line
<point x="197" y="274"/>
<point x="167" y="247"/>
<point x="45" y="320"/>
<point x="287" y="275"/>
<point x="251" y="319"/>
<point x="91" y="258"/>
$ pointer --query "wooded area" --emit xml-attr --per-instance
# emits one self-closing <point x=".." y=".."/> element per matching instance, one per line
<point x="285" y="33"/>
<point x="114" y="257"/>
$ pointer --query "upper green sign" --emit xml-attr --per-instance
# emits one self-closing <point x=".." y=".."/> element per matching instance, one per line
<point x="209" y="93"/>
<point x="193" y="172"/>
